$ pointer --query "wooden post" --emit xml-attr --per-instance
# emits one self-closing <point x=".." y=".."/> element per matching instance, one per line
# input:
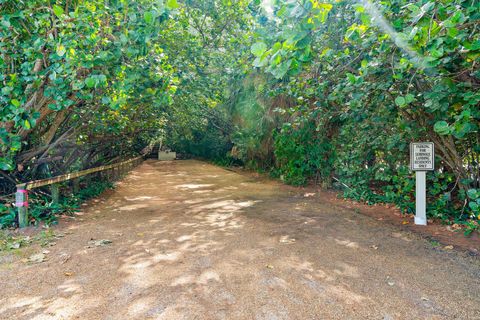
<point x="22" y="196"/>
<point x="55" y="193"/>
<point x="21" y="202"/>
<point x="76" y="185"/>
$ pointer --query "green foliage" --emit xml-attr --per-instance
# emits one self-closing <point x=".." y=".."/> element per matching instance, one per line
<point x="471" y="226"/>
<point x="11" y="242"/>
<point x="362" y="80"/>
<point x="336" y="97"/>
<point x="474" y="205"/>
<point x="206" y="44"/>
<point x="254" y="122"/>
<point x="92" y="190"/>
<point x="94" y="65"/>
<point x="44" y="210"/>
<point x="8" y="242"/>
<point x="301" y="152"/>
<point x="7" y="216"/>
<point x="324" y="91"/>
<point x="205" y="144"/>
<point x="258" y="49"/>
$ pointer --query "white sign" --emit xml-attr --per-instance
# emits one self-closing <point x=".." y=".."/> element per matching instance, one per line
<point x="422" y="156"/>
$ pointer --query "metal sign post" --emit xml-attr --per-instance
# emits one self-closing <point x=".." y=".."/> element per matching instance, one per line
<point x="422" y="159"/>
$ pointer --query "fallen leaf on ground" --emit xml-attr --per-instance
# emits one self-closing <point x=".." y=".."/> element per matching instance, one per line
<point x="405" y="222"/>
<point x="68" y="274"/>
<point x="15" y="245"/>
<point x="390" y="281"/>
<point x="37" y="258"/>
<point x="287" y="240"/>
<point x="453" y="227"/>
<point x="99" y="243"/>
<point x="64" y="258"/>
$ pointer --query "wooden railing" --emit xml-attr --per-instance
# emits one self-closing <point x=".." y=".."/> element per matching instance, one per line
<point x="21" y="196"/>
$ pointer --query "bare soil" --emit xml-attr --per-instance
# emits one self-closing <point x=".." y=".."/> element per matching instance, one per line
<point x="194" y="241"/>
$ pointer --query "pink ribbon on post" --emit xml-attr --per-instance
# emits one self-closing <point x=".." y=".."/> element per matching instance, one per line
<point x="24" y="203"/>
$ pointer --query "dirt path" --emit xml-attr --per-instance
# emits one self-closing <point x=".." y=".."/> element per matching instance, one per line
<point x="193" y="241"/>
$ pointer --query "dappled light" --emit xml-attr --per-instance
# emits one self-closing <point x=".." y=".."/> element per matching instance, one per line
<point x="347" y="243"/>
<point x="229" y="253"/>
<point x="193" y="186"/>
<point x="239" y="159"/>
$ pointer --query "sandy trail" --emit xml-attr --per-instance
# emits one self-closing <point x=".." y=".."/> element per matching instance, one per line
<point x="194" y="241"/>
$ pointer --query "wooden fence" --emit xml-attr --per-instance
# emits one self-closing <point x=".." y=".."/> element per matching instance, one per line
<point x="21" y="196"/>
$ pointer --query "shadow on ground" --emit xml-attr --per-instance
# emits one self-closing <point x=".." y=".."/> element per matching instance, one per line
<point x="193" y="241"/>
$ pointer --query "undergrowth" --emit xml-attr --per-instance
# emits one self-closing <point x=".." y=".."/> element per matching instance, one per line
<point x="9" y="242"/>
<point x="43" y="210"/>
